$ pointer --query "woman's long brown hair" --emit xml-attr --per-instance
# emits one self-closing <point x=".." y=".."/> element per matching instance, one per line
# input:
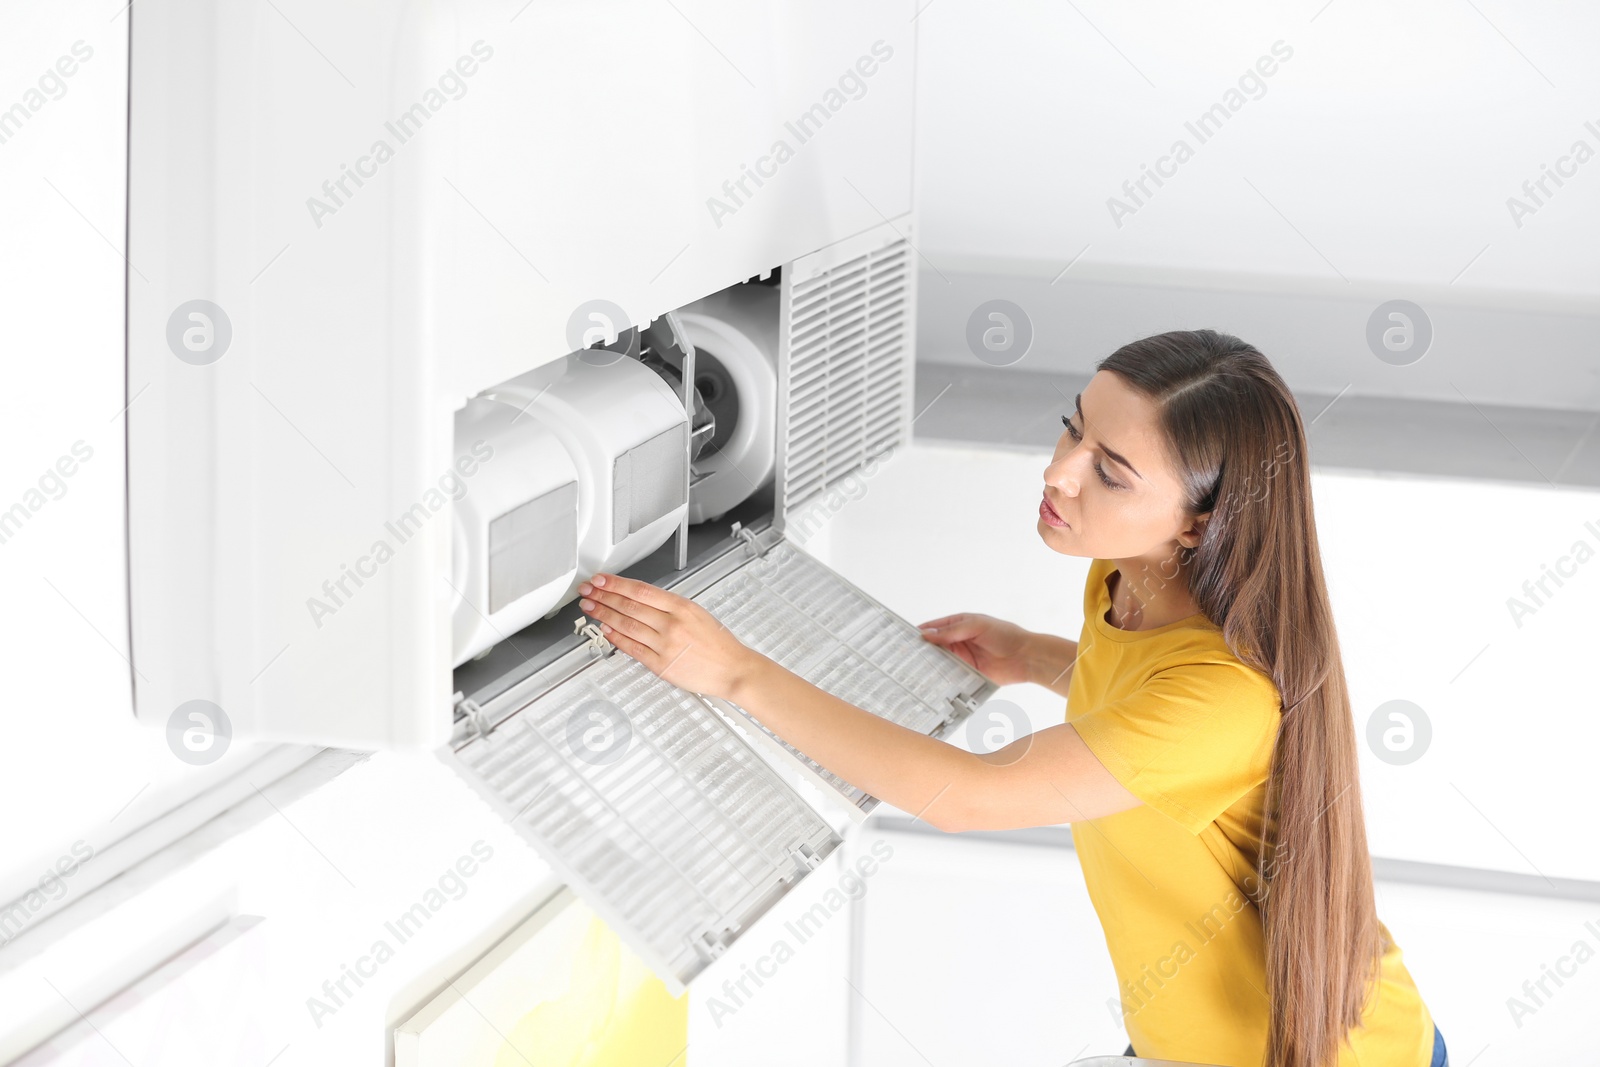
<point x="1234" y="431"/>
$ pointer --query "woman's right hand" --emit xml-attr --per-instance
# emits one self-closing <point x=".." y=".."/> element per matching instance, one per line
<point x="993" y="647"/>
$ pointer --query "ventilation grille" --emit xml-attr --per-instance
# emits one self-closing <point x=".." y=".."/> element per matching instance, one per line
<point x="848" y="377"/>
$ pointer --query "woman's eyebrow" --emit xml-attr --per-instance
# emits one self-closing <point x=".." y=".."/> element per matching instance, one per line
<point x="1107" y="449"/>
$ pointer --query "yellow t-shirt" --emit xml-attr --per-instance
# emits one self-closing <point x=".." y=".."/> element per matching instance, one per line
<point x="1188" y="728"/>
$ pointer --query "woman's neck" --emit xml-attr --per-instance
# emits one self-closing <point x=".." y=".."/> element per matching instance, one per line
<point x="1145" y="596"/>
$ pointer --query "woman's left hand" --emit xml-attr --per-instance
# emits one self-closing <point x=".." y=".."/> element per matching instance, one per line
<point x="676" y="638"/>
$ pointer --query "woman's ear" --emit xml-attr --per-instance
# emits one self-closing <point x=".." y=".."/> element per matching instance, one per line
<point x="1194" y="533"/>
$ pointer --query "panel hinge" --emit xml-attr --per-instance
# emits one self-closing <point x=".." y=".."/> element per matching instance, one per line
<point x="749" y="540"/>
<point x="591" y="629"/>
<point x="706" y="944"/>
<point x="469" y="707"/>
<point x="804" y="859"/>
<point x="960" y="706"/>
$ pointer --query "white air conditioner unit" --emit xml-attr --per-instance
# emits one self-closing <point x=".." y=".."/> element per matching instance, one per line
<point x="433" y="310"/>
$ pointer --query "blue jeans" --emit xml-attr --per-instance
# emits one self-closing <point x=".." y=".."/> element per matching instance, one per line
<point x="1441" y="1055"/>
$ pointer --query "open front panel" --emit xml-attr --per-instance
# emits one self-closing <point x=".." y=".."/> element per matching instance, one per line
<point x="800" y="613"/>
<point x="647" y="803"/>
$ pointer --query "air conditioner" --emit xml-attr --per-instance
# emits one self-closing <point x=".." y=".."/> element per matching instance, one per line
<point x="434" y="310"/>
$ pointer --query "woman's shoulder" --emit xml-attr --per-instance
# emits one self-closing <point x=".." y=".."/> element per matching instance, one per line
<point x="1203" y="660"/>
<point x="1189" y="733"/>
<point x="1207" y="654"/>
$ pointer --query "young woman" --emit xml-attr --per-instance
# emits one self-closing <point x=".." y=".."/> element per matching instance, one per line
<point x="1207" y="760"/>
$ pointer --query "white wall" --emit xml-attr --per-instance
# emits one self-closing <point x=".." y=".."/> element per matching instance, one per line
<point x="1391" y="138"/>
<point x="1374" y="164"/>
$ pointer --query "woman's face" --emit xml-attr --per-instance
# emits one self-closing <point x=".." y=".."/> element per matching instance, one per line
<point x="1111" y="483"/>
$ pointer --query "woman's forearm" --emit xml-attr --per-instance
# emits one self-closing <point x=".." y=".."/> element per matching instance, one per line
<point x="891" y="762"/>
<point x="1050" y="660"/>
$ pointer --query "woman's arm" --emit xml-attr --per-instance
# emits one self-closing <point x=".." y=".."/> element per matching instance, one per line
<point x="914" y="772"/>
<point x="1042" y="779"/>
<point x="1045" y="778"/>
<point x="1050" y="660"/>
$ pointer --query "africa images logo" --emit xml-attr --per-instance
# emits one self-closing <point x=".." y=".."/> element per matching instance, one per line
<point x="1204" y="127"/>
<point x="803" y="128"/>
<point x="452" y="485"/>
<point x="336" y="192"/>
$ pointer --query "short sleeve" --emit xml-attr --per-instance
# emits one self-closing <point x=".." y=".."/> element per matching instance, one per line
<point x="1189" y="742"/>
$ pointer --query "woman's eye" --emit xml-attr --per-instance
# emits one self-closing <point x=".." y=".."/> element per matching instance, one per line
<point x="1073" y="430"/>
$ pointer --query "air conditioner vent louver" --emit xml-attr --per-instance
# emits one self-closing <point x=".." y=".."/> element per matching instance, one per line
<point x="847" y="376"/>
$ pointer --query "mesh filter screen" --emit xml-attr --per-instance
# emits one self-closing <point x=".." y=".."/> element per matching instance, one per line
<point x="653" y="808"/>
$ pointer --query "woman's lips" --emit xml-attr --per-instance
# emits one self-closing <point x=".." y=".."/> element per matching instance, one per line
<point x="1048" y="513"/>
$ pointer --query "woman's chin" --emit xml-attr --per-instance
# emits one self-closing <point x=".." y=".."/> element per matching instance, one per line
<point x="1056" y="537"/>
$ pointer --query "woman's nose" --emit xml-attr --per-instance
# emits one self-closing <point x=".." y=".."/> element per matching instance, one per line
<point x="1059" y="476"/>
